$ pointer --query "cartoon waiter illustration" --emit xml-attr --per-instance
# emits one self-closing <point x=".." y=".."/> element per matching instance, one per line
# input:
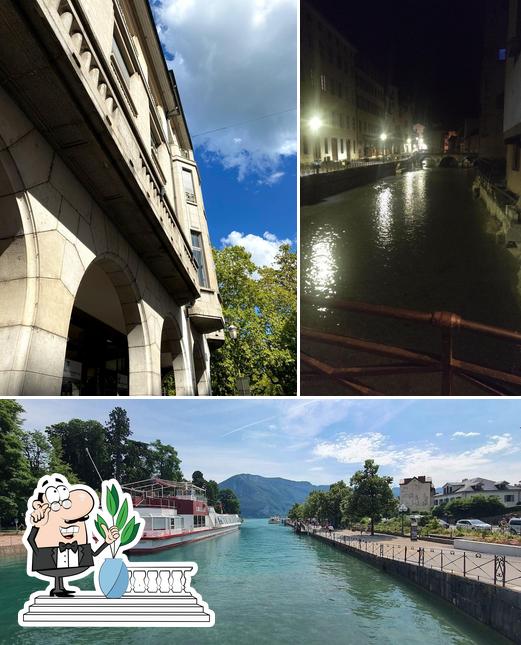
<point x="58" y="537"/>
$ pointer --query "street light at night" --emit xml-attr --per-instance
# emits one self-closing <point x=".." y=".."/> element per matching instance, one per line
<point x="315" y="123"/>
<point x="383" y="139"/>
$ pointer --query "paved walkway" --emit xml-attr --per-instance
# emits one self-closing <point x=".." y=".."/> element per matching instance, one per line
<point x="469" y="564"/>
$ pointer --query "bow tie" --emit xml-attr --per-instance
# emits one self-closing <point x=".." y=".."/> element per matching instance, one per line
<point x="73" y="546"/>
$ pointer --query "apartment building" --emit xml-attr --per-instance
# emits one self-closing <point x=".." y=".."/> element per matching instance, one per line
<point x="417" y="493"/>
<point x="508" y="494"/>
<point x="107" y="284"/>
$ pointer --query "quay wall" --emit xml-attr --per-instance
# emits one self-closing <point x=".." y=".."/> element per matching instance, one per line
<point x="497" y="607"/>
<point x="314" y="188"/>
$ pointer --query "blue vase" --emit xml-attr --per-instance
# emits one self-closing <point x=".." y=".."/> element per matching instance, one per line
<point x="113" y="578"/>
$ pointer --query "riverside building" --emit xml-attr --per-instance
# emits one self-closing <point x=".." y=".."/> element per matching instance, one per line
<point x="417" y="493"/>
<point x="107" y="283"/>
<point x="508" y="494"/>
<point x="512" y="113"/>
<point x="347" y="110"/>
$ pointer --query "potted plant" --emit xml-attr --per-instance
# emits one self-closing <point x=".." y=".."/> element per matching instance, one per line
<point x="112" y="577"/>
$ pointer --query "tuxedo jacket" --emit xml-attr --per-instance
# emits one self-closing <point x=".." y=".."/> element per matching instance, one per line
<point x="45" y="558"/>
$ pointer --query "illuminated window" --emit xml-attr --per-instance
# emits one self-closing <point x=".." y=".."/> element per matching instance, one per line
<point x="197" y="248"/>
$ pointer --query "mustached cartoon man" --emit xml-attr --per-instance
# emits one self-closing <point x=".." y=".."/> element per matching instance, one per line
<point x="59" y="537"/>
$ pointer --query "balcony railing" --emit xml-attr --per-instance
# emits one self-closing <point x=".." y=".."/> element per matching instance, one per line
<point x="159" y="594"/>
<point x="485" y="379"/>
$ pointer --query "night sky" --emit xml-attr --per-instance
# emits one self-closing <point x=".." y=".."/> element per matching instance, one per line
<point x="432" y="49"/>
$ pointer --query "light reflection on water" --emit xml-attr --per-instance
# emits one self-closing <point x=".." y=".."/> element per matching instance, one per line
<point x="384" y="215"/>
<point x="323" y="266"/>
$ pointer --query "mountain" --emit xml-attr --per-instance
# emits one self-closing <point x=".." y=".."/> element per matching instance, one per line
<point x="266" y="496"/>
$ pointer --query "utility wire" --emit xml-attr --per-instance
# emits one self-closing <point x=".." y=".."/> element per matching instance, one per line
<point x="259" y="118"/>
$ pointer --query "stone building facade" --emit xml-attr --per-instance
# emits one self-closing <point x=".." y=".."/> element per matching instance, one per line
<point x="417" y="493"/>
<point x="107" y="283"/>
<point x="508" y="494"/>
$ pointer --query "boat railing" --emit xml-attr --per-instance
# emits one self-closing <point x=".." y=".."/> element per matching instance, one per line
<point x="159" y="578"/>
<point x="487" y="379"/>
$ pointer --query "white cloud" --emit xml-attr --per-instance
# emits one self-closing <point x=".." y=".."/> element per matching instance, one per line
<point x="235" y="63"/>
<point x="490" y="460"/>
<point x="439" y="434"/>
<point x="466" y="434"/>
<point x="263" y="249"/>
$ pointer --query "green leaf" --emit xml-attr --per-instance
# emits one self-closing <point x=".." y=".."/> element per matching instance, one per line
<point x="99" y="522"/>
<point x="127" y="531"/>
<point x="112" y="500"/>
<point x="122" y="515"/>
<point x="133" y="534"/>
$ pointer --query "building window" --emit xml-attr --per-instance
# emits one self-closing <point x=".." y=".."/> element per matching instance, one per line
<point x="326" y="147"/>
<point x="509" y="498"/>
<point x="341" y="146"/>
<point x="305" y="148"/>
<point x="123" y="62"/>
<point x="197" y="248"/>
<point x="188" y="185"/>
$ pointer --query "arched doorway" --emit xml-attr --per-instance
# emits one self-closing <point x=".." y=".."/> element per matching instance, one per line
<point x="105" y="341"/>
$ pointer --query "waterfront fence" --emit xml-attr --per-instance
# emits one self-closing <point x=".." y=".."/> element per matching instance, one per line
<point x="499" y="570"/>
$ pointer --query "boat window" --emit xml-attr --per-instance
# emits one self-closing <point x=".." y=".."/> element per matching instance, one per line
<point x="159" y="523"/>
<point x="148" y="523"/>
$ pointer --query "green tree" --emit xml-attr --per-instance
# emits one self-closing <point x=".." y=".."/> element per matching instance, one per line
<point x="261" y="303"/>
<point x="138" y="463"/>
<point x="165" y="461"/>
<point x="316" y="506"/>
<point x="198" y="479"/>
<point x="338" y="498"/>
<point x="16" y="481"/>
<point x="296" y="512"/>
<point x="118" y="434"/>
<point x="37" y="449"/>
<point x="56" y="463"/>
<point x="372" y="495"/>
<point x="476" y="506"/>
<point x="212" y="492"/>
<point x="229" y="501"/>
<point x="75" y="437"/>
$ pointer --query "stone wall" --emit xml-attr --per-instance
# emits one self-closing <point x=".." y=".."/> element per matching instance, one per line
<point x="314" y="188"/>
<point x="497" y="607"/>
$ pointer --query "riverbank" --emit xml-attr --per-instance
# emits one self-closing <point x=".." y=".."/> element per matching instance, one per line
<point x="314" y="188"/>
<point x="11" y="544"/>
<point x="479" y="588"/>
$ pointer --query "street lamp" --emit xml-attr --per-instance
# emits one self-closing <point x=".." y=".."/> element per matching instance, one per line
<point x="242" y="384"/>
<point x="315" y="123"/>
<point x="232" y="330"/>
<point x="402" y="509"/>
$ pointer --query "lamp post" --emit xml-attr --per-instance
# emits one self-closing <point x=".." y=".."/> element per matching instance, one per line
<point x="402" y="509"/>
<point x="242" y="384"/>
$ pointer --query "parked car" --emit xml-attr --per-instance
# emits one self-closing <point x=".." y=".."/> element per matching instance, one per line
<point x="476" y="525"/>
<point x="515" y="525"/>
<point x="444" y="524"/>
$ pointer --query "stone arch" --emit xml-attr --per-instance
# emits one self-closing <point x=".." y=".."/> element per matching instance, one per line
<point x="449" y="162"/>
<point x="109" y="346"/>
<point x="175" y="369"/>
<point x="19" y="269"/>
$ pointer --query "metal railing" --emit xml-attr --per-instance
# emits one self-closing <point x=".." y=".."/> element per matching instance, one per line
<point x="448" y="324"/>
<point x="499" y="570"/>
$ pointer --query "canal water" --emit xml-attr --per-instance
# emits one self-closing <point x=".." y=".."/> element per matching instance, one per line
<point x="268" y="585"/>
<point x="419" y="241"/>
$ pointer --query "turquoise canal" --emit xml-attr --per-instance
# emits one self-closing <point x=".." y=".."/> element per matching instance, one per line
<point x="267" y="585"/>
<point x="419" y="241"/>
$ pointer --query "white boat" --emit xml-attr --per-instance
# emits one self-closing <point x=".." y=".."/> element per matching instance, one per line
<point x="274" y="520"/>
<point x="176" y="513"/>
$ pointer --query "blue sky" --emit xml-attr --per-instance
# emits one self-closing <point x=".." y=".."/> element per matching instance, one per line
<point x="320" y="441"/>
<point x="235" y="65"/>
